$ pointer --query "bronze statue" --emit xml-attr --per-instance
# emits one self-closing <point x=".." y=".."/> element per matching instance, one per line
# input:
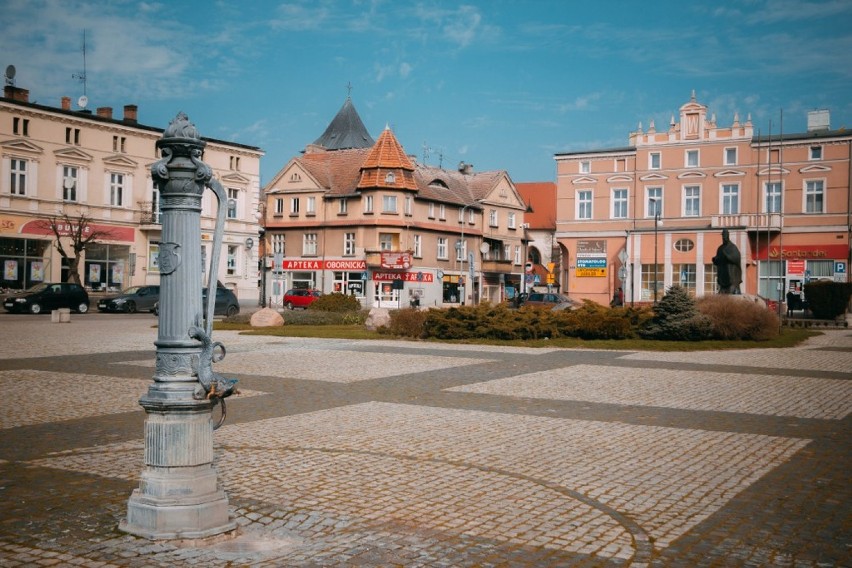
<point x="729" y="273"/>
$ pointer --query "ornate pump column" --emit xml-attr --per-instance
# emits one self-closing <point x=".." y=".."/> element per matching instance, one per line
<point x="179" y="495"/>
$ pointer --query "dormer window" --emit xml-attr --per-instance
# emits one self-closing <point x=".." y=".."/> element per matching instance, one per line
<point x="390" y="178"/>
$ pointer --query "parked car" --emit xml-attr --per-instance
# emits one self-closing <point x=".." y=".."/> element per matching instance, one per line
<point x="226" y="303"/>
<point x="136" y="298"/>
<point x="46" y="296"/>
<point x="550" y="300"/>
<point x="300" y="298"/>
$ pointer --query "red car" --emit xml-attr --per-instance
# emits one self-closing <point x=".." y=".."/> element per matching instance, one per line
<point x="300" y="298"/>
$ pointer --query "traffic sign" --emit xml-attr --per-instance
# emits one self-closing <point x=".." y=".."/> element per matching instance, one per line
<point x="840" y="267"/>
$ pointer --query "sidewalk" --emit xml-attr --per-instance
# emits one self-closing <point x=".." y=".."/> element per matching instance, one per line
<point x="387" y="453"/>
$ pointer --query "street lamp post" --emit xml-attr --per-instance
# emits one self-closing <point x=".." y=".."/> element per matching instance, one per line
<point x="656" y="227"/>
<point x="460" y="245"/>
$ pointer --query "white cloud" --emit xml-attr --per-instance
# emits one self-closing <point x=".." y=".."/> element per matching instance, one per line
<point x="405" y="69"/>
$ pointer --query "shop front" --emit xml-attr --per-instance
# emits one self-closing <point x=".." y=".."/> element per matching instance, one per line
<point x="403" y="289"/>
<point x="787" y="268"/>
<point x="344" y="276"/>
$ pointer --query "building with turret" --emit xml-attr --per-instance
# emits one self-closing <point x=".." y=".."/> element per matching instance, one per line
<point x="361" y="217"/>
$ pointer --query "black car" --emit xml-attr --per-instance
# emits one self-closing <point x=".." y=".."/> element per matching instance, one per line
<point x="226" y="303"/>
<point x="46" y="296"/>
<point x="137" y="298"/>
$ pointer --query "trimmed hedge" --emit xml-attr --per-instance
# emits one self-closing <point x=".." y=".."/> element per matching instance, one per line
<point x="335" y="302"/>
<point x="826" y="299"/>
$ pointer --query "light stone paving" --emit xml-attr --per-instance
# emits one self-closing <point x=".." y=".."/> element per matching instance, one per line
<point x="726" y="392"/>
<point x="802" y="358"/>
<point x="335" y="366"/>
<point x="42" y="397"/>
<point x="464" y="471"/>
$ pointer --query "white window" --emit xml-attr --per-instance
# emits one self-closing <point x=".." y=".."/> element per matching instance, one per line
<point x="692" y="201"/>
<point x="585" y="167"/>
<point x="116" y="190"/>
<point x="814" y="196"/>
<point x="772" y="199"/>
<point x="442" y="212"/>
<point x="294" y="206"/>
<point x="233" y="200"/>
<point x="510" y="219"/>
<point x="461" y="214"/>
<point x="279" y="206"/>
<point x="654" y="162"/>
<point x="461" y="249"/>
<point x="517" y="255"/>
<point x="311" y="206"/>
<point x="390" y="178"/>
<point x="368" y="204"/>
<point x="69" y="183"/>
<point x="442" y="248"/>
<point x="471" y="216"/>
<point x="389" y="203"/>
<point x="309" y="244"/>
<point x="409" y="203"/>
<point x="348" y="244"/>
<point x="119" y="144"/>
<point x="231" y="267"/>
<point x="19" y="176"/>
<point x="619" y="203"/>
<point x="386" y="241"/>
<point x="278" y="245"/>
<point x="492" y="217"/>
<point x="654" y="206"/>
<point x="418" y="246"/>
<point x="507" y="252"/>
<point x="21" y="126"/>
<point x="691" y="158"/>
<point x="584" y="204"/>
<point x="342" y="206"/>
<point x="730" y="199"/>
<point x="730" y="156"/>
<point x="431" y="210"/>
<point x="815" y="153"/>
<point x="155" y="205"/>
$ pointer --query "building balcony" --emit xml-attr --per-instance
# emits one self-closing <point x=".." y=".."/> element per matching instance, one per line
<point x="751" y="222"/>
<point x="504" y="266"/>
<point x="149" y="218"/>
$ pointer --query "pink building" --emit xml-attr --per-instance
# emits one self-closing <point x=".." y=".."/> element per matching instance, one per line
<point x="651" y="214"/>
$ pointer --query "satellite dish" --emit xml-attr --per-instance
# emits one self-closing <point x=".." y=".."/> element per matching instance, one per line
<point x="83" y="101"/>
<point x="10" y="72"/>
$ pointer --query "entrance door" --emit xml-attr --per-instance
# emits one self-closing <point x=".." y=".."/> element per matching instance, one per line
<point x="385" y="296"/>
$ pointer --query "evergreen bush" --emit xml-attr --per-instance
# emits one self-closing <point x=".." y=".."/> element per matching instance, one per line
<point x="677" y="318"/>
<point x="407" y="322"/>
<point x="335" y="302"/>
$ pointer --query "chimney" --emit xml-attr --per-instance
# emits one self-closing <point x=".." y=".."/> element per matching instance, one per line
<point x="66" y="103"/>
<point x="16" y="94"/>
<point x="105" y="112"/>
<point x="131" y="113"/>
<point x="819" y="120"/>
<point x="465" y="168"/>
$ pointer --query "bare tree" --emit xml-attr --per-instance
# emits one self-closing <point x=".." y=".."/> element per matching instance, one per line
<point x="81" y="232"/>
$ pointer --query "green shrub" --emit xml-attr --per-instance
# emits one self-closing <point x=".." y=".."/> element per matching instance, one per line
<point x="407" y="322"/>
<point x="335" y="302"/>
<point x="735" y="317"/>
<point x="676" y="318"/>
<point x="827" y="300"/>
<point x="593" y="321"/>
<point x="315" y="317"/>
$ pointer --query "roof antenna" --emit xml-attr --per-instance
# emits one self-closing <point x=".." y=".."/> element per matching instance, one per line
<point x="84" y="100"/>
<point x="349" y="90"/>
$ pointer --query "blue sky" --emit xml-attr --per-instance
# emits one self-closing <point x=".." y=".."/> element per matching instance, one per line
<point x="499" y="84"/>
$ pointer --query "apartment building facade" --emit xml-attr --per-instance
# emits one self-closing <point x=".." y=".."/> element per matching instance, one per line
<point x="650" y="215"/>
<point x="60" y="162"/>
<point x="362" y="217"/>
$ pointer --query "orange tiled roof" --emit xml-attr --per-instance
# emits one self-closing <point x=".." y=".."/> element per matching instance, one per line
<point x="387" y="166"/>
<point x="540" y="198"/>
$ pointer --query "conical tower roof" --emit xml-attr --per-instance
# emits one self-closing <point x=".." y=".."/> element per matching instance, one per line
<point x="345" y="131"/>
<point x="387" y="157"/>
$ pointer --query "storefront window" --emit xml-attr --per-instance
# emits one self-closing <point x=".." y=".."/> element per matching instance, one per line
<point x="684" y="275"/>
<point x="651" y="277"/>
<point x="303" y="279"/>
<point x="350" y="283"/>
<point x="106" y="266"/>
<point x="25" y="262"/>
<point x="450" y="286"/>
<point x="771" y="277"/>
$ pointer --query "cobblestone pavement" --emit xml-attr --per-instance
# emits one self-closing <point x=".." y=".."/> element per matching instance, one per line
<point x="384" y="453"/>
